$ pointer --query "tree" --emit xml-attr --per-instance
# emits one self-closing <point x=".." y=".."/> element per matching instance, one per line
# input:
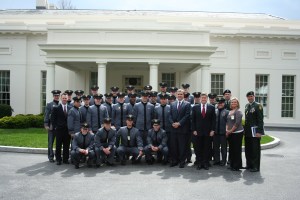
<point x="65" y="5"/>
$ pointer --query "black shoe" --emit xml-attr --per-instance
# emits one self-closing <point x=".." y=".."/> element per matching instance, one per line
<point x="76" y="166"/>
<point x="58" y="162"/>
<point x="66" y="162"/>
<point x="181" y="165"/>
<point x="189" y="161"/>
<point x="222" y="163"/>
<point x="235" y="169"/>
<point x="149" y="162"/>
<point x="217" y="163"/>
<point x="51" y="160"/>
<point x="254" y="170"/>
<point x="109" y="164"/>
<point x="247" y="167"/>
<point x="164" y="162"/>
<point x="173" y="164"/>
<point x="199" y="167"/>
<point x="196" y="162"/>
<point x="206" y="167"/>
<point x="123" y="162"/>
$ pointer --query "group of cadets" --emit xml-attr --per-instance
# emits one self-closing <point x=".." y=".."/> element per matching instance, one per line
<point x="118" y="126"/>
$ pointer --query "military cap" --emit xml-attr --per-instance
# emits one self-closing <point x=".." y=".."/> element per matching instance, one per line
<point x="153" y="94"/>
<point x="86" y="96"/>
<point x="163" y="96"/>
<point x="173" y="89"/>
<point x="79" y="92"/>
<point x="130" y="87"/>
<point x="148" y="87"/>
<point x="185" y="85"/>
<point x="143" y="93"/>
<point x="69" y="92"/>
<point x="226" y="91"/>
<point x="107" y="120"/>
<point x="155" y="121"/>
<point x="196" y="94"/>
<point x="95" y="87"/>
<point x="98" y="96"/>
<point x="121" y="94"/>
<point x="84" y="125"/>
<point x="76" y="99"/>
<point x="250" y="93"/>
<point x="132" y="95"/>
<point x="172" y="97"/>
<point x="163" y="84"/>
<point x="212" y="95"/>
<point x="130" y="117"/>
<point x="108" y="95"/>
<point x="114" y="89"/>
<point x="221" y="100"/>
<point x="55" y="92"/>
<point x="186" y="95"/>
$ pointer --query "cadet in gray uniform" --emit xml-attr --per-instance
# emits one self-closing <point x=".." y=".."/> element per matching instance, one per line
<point x="69" y="93"/>
<point x="157" y="142"/>
<point x="85" y="107"/>
<point x="82" y="146"/>
<point x="129" y="141"/>
<point x="143" y="113"/>
<point x="130" y="91"/>
<point x="153" y="98"/>
<point x="114" y="92"/>
<point x="96" y="114"/>
<point x="79" y="93"/>
<point x="132" y="102"/>
<point x="48" y="123"/>
<point x="163" y="90"/>
<point x="108" y="103"/>
<point x="119" y="112"/>
<point x="94" y="91"/>
<point x="74" y="117"/>
<point x="105" y="140"/>
<point x="186" y="90"/>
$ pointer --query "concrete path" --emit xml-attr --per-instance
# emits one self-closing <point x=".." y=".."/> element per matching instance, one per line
<point x="31" y="176"/>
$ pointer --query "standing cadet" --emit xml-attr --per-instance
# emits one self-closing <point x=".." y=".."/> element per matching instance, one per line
<point x="132" y="102"/>
<point x="143" y="113"/>
<point x="171" y="99"/>
<point x="254" y="129"/>
<point x="163" y="90"/>
<point x="180" y="111"/>
<point x="108" y="103"/>
<point x="212" y="99"/>
<point x="186" y="88"/>
<point x="59" y="120"/>
<point x="96" y="114"/>
<point x="85" y="107"/>
<point x="129" y="141"/>
<point x="105" y="140"/>
<point x="147" y="88"/>
<point x="114" y="92"/>
<point x="197" y="99"/>
<point x="82" y="146"/>
<point x="94" y="91"/>
<point x="157" y="142"/>
<point x="130" y="91"/>
<point x="69" y="93"/>
<point x="153" y="98"/>
<point x="119" y="112"/>
<point x="79" y="93"/>
<point x="48" y="124"/>
<point x="173" y="91"/>
<point x="227" y="97"/>
<point x="74" y="117"/>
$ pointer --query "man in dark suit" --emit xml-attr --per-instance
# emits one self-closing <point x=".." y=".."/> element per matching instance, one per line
<point x="203" y="127"/>
<point x="180" y="120"/>
<point x="60" y="126"/>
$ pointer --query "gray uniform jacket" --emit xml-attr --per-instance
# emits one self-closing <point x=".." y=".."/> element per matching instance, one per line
<point x="83" y="142"/>
<point x="104" y="140"/>
<point x="74" y="120"/>
<point x="222" y="115"/>
<point x="84" y="111"/>
<point x="95" y="116"/>
<point x="119" y="113"/>
<point x="48" y="111"/>
<point x="163" y="114"/>
<point x="135" y="139"/>
<point x="130" y="108"/>
<point x="158" y="98"/>
<point x="127" y="99"/>
<point x="158" y="139"/>
<point x="109" y="108"/>
<point x="139" y="116"/>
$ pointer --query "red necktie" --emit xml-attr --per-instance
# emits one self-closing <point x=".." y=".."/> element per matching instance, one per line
<point x="203" y="111"/>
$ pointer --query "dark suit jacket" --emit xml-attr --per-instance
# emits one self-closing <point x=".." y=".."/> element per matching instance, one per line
<point x="183" y="117"/>
<point x="58" y="118"/>
<point x="203" y="126"/>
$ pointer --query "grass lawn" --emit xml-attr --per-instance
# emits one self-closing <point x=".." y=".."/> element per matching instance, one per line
<point x="37" y="137"/>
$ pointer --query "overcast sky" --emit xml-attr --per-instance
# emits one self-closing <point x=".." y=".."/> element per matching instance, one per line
<point x="288" y="9"/>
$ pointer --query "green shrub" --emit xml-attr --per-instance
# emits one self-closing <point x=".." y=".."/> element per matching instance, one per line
<point x="22" y="121"/>
<point x="5" y="110"/>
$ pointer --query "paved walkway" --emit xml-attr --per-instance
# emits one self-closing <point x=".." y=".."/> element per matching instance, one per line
<point x="31" y="176"/>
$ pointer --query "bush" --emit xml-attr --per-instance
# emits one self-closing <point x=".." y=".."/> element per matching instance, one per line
<point x="22" y="121"/>
<point x="5" y="110"/>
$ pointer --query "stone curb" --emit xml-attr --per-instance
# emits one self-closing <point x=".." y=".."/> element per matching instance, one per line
<point x="270" y="145"/>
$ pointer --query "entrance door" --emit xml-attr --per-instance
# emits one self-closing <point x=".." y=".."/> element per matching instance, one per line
<point x="136" y="81"/>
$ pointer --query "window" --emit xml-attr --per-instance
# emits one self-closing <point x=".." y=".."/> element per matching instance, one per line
<point x="94" y="79"/>
<point x="5" y="87"/>
<point x="168" y="78"/>
<point x="261" y="91"/>
<point x="217" y="84"/>
<point x="288" y="93"/>
<point x="136" y="81"/>
<point x="43" y="90"/>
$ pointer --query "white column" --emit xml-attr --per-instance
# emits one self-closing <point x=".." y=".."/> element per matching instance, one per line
<point x="102" y="77"/>
<point x="153" y="79"/>
<point x="50" y="81"/>
<point x="205" y="79"/>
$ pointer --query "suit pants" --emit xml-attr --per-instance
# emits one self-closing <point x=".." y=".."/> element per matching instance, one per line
<point x="102" y="157"/>
<point x="122" y="151"/>
<point x="76" y="156"/>
<point x="51" y="138"/>
<point x="252" y="152"/>
<point x="188" y="146"/>
<point x="235" y="150"/>
<point x="161" y="153"/>
<point x="201" y="145"/>
<point x="62" y="139"/>
<point x="220" y="141"/>
<point x="178" y="146"/>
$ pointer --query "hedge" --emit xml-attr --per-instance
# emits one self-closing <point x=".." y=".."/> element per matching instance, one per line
<point x="22" y="121"/>
<point x="5" y="110"/>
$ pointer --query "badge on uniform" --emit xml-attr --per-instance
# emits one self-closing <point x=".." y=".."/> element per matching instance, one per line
<point x="232" y="117"/>
<point x="252" y="110"/>
<point x="128" y="137"/>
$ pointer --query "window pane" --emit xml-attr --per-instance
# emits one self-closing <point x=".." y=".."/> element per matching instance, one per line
<point x="287" y="100"/>
<point x="217" y="83"/>
<point x="261" y="91"/>
<point x="168" y="78"/>
<point x="43" y="90"/>
<point x="5" y="87"/>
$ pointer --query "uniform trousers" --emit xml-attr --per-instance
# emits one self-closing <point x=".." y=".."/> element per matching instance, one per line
<point x="76" y="156"/>
<point x="252" y="152"/>
<point x="51" y="138"/>
<point x="160" y="153"/>
<point x="102" y="157"/>
<point x="122" y="151"/>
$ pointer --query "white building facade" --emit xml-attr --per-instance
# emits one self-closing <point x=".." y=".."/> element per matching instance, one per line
<point x="42" y="50"/>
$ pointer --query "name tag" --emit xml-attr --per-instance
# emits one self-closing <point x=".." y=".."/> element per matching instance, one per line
<point x="232" y="117"/>
<point x="128" y="137"/>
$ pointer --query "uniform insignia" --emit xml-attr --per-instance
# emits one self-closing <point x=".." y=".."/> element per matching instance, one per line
<point x="252" y="110"/>
<point x="260" y="107"/>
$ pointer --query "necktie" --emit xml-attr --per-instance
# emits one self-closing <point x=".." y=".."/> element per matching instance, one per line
<point x="128" y="137"/>
<point x="65" y="110"/>
<point x="203" y="111"/>
<point x="179" y="106"/>
<point x="163" y="116"/>
<point x="98" y="113"/>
